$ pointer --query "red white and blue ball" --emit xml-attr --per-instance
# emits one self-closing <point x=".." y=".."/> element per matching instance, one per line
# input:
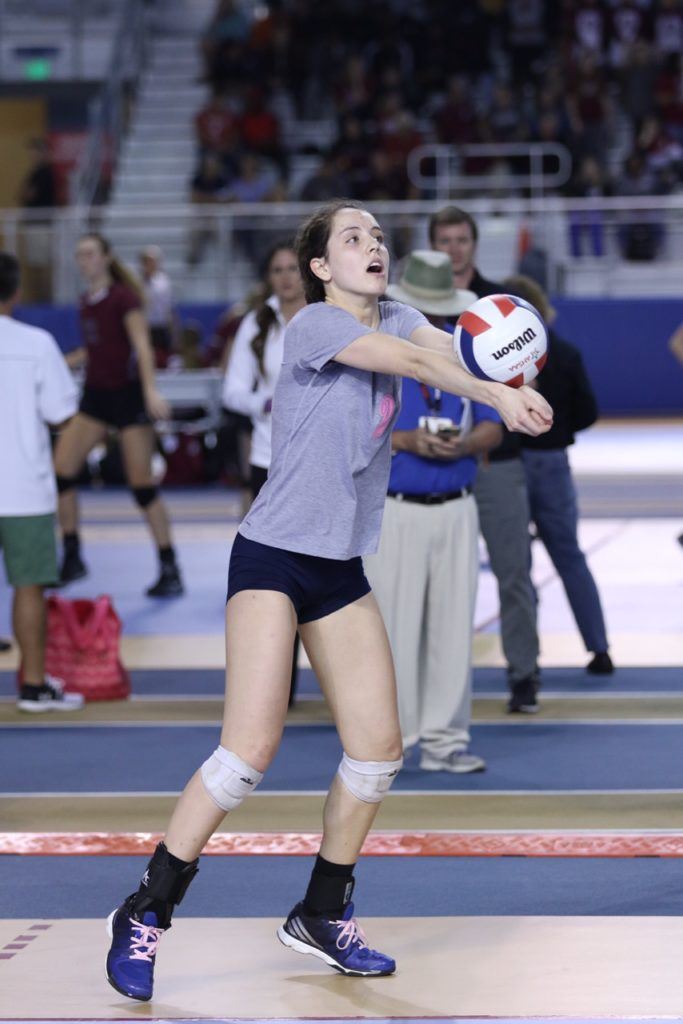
<point x="501" y="338"/>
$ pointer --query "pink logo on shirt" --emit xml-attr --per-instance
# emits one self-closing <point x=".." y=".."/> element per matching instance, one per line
<point x="386" y="411"/>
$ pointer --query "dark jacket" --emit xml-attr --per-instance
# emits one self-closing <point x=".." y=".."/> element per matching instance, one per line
<point x="563" y="382"/>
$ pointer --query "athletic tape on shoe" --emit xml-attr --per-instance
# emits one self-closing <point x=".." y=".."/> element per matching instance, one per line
<point x="369" y="781"/>
<point x="228" y="779"/>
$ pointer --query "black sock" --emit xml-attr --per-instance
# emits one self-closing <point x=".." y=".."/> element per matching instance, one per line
<point x="167" y="557"/>
<point x="72" y="544"/>
<point x="330" y="888"/>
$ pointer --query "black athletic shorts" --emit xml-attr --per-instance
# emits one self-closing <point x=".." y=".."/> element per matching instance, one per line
<point x="119" y="407"/>
<point x="315" y="586"/>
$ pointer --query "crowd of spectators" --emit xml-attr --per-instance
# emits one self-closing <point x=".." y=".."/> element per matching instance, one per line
<point x="602" y="77"/>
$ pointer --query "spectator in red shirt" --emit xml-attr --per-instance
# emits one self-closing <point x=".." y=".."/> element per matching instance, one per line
<point x="260" y="129"/>
<point x="119" y="393"/>
<point x="455" y="119"/>
<point x="217" y="129"/>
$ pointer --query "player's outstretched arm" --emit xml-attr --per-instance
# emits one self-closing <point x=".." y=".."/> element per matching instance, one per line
<point x="521" y="409"/>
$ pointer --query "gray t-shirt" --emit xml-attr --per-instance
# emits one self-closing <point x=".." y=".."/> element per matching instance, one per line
<point x="331" y="438"/>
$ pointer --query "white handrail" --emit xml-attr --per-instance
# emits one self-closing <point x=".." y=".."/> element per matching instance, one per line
<point x="448" y="161"/>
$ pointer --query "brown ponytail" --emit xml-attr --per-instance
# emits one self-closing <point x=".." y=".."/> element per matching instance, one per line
<point x="266" y="316"/>
<point x="119" y="272"/>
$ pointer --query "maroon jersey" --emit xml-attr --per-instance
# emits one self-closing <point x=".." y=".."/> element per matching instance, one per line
<point x="111" y="358"/>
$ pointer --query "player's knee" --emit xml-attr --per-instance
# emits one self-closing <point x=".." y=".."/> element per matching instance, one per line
<point x="65" y="483"/>
<point x="368" y="781"/>
<point x="144" y="496"/>
<point x="228" y="779"/>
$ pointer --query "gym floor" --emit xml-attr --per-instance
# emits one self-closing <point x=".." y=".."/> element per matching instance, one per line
<point x="547" y="887"/>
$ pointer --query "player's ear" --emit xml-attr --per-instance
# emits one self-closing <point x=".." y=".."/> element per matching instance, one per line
<point x="320" y="268"/>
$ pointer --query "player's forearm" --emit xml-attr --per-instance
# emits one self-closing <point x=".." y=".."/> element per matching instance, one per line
<point x="444" y="372"/>
<point x="143" y="351"/>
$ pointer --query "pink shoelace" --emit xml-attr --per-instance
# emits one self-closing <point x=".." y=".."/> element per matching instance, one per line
<point x="350" y="932"/>
<point x="144" y="945"/>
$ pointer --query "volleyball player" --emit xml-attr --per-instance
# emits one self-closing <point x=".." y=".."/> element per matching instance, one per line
<point x="119" y="394"/>
<point x="296" y="562"/>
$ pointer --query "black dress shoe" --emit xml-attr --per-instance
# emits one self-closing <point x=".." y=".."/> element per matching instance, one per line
<point x="169" y="583"/>
<point x="601" y="664"/>
<point x="73" y="568"/>
<point x="523" y="699"/>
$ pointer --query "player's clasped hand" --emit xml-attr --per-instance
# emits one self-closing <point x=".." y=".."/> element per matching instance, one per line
<point x="524" y="410"/>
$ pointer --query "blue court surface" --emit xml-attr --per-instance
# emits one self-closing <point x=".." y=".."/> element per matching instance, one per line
<point x="545" y="756"/>
<point x="249" y="887"/>
<point x="198" y="682"/>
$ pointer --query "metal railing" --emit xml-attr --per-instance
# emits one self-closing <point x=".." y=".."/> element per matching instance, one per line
<point x="109" y="109"/>
<point x="442" y="170"/>
<point x="236" y="237"/>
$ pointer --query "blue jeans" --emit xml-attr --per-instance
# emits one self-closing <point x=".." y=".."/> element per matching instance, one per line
<point x="552" y="505"/>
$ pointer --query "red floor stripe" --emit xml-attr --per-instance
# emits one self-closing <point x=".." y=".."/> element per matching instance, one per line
<point x="386" y="844"/>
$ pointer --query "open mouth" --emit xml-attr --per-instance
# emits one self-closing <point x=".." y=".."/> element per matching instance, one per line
<point x="376" y="267"/>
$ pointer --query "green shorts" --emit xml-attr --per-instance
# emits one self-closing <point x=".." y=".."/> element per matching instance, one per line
<point x="28" y="545"/>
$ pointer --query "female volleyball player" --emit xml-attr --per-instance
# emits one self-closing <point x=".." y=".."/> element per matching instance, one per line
<point x="296" y="561"/>
<point x="119" y="393"/>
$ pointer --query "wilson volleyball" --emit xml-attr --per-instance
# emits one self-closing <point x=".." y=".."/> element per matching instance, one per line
<point x="501" y="338"/>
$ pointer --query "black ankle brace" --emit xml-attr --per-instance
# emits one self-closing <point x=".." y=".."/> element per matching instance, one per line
<point x="163" y="885"/>
<point x="330" y="887"/>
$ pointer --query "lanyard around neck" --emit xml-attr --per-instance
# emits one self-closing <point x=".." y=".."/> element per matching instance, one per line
<point x="432" y="401"/>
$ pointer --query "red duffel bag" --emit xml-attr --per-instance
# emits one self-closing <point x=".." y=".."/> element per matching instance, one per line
<point x="83" y="647"/>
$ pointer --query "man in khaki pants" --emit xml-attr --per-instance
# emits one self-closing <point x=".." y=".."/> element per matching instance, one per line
<point x="36" y="388"/>
<point x="425" y="572"/>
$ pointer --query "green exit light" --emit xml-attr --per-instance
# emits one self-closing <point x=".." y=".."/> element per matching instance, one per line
<point x="37" y="69"/>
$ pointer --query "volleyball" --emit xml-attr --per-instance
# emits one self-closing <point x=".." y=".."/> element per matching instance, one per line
<point x="501" y="338"/>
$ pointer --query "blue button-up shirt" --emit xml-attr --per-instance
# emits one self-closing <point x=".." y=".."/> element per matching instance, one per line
<point x="413" y="474"/>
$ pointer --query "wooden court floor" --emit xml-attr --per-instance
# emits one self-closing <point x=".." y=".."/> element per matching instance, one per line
<point x="500" y="968"/>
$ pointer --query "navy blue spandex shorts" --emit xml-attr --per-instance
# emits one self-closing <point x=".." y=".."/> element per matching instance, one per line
<point x="315" y="586"/>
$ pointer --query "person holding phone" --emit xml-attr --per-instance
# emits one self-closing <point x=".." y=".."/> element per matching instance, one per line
<point x="425" y="572"/>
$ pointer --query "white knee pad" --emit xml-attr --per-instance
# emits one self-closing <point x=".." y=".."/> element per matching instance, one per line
<point x="369" y="781"/>
<point x="228" y="779"/>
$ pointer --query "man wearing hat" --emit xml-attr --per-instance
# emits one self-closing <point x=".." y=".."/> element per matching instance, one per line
<point x="424" y="574"/>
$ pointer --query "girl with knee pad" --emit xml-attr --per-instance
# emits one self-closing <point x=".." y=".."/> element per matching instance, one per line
<point x="119" y="394"/>
<point x="296" y="565"/>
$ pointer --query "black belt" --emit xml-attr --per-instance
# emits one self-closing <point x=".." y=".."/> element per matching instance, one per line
<point x="431" y="499"/>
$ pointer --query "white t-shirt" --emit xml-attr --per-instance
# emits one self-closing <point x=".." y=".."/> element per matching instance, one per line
<point x="159" y="299"/>
<point x="246" y="389"/>
<point x="36" y="388"/>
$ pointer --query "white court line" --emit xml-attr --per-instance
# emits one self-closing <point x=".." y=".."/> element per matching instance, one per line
<point x="516" y="722"/>
<point x="61" y="794"/>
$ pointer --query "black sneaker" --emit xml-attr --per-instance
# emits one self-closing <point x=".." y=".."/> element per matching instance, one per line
<point x="169" y="583"/>
<point x="523" y="696"/>
<point x="73" y="568"/>
<point x="48" y="697"/>
<point x="600" y="665"/>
